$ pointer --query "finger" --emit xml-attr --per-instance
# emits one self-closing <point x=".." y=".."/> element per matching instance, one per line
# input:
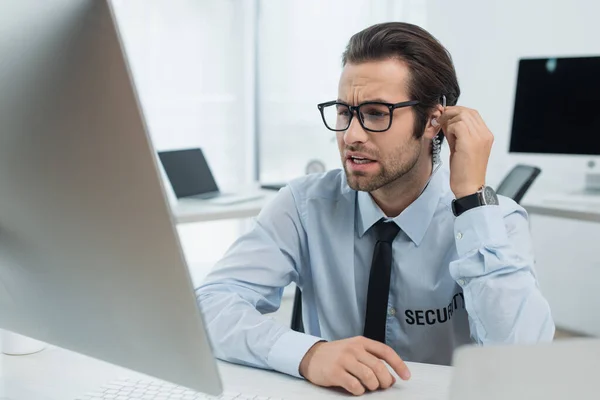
<point x="449" y="113"/>
<point x="388" y="355"/>
<point x="384" y="377"/>
<point x="469" y="115"/>
<point x="458" y="129"/>
<point x="451" y="125"/>
<point x="451" y="134"/>
<point x="454" y="128"/>
<point x="451" y="140"/>
<point x="465" y="124"/>
<point x="478" y="119"/>
<point x="482" y="130"/>
<point x="351" y="384"/>
<point x="468" y="121"/>
<point x="364" y="374"/>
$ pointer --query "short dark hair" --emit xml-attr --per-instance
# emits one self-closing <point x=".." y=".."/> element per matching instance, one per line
<point x="432" y="72"/>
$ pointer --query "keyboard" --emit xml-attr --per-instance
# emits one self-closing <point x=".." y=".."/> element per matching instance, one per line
<point x="132" y="389"/>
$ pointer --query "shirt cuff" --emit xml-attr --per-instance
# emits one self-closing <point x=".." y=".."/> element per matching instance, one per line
<point x="289" y="350"/>
<point x="479" y="227"/>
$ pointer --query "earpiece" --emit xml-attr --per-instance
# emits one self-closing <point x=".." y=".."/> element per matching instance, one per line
<point x="434" y="121"/>
<point x="436" y="145"/>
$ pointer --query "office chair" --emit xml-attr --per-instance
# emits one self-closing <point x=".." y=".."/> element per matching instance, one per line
<point x="297" y="324"/>
<point x="518" y="181"/>
<point x="514" y="185"/>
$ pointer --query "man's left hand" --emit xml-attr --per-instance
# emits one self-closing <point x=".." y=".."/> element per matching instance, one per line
<point x="470" y="143"/>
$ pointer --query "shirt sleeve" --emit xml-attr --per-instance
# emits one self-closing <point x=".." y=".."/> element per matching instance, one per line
<point x="495" y="268"/>
<point x="248" y="282"/>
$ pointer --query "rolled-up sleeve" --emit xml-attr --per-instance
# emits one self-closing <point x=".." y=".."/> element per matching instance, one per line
<point x="496" y="271"/>
<point x="248" y="282"/>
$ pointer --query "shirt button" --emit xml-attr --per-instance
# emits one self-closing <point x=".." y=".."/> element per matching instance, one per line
<point x="461" y="282"/>
<point x="459" y="235"/>
<point x="392" y="311"/>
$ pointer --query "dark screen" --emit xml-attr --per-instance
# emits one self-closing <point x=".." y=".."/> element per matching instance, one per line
<point x="557" y="106"/>
<point x="188" y="172"/>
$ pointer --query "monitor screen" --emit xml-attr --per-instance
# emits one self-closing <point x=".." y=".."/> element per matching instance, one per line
<point x="188" y="172"/>
<point x="557" y="106"/>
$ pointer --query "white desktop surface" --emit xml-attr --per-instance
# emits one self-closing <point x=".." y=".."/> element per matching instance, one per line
<point x="57" y="374"/>
<point x="196" y="210"/>
<point x="572" y="207"/>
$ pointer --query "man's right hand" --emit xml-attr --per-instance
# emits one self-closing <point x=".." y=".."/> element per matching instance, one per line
<point x="354" y="364"/>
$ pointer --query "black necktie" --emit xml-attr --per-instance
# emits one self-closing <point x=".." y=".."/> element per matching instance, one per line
<point x="379" y="280"/>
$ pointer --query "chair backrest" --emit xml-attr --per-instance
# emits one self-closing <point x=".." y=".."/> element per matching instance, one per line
<point x="518" y="181"/>
<point x="297" y="323"/>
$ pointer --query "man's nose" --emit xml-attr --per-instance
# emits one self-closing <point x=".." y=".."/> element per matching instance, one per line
<point x="355" y="132"/>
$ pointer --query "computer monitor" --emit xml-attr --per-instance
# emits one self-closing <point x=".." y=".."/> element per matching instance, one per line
<point x="554" y="113"/>
<point x="89" y="256"/>
<point x="189" y="173"/>
<point x="555" y="103"/>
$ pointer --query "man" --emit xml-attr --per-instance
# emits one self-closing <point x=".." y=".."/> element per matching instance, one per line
<point x="397" y="259"/>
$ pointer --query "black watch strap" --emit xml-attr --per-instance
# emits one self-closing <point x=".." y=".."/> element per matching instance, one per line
<point x="463" y="204"/>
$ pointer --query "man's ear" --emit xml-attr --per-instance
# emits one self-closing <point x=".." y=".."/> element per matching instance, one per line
<point x="433" y="127"/>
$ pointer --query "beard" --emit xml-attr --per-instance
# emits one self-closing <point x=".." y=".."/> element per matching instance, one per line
<point x="391" y="168"/>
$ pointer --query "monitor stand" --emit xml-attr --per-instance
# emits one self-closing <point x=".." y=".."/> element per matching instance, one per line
<point x="592" y="183"/>
<point x="15" y="345"/>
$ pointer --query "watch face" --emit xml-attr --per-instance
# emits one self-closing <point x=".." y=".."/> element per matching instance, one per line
<point x="490" y="196"/>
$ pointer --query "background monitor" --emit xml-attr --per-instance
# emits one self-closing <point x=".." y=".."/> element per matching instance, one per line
<point x="89" y="256"/>
<point x="188" y="172"/>
<point x="556" y="106"/>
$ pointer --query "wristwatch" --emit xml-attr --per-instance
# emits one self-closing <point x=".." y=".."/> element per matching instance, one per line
<point x="483" y="197"/>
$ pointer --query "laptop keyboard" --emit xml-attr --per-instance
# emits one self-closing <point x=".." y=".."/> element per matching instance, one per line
<point x="132" y="389"/>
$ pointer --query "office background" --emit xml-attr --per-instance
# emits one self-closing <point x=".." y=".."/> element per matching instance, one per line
<point x="241" y="79"/>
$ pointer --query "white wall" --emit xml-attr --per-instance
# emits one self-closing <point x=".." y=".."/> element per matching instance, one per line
<point x="188" y="62"/>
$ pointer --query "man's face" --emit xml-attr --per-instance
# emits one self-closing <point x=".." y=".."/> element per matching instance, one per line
<point x="391" y="154"/>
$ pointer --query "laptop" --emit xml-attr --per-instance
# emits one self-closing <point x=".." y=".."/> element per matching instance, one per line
<point x="191" y="178"/>
<point x="564" y="369"/>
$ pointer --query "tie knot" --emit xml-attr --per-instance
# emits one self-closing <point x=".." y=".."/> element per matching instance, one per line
<point x="386" y="231"/>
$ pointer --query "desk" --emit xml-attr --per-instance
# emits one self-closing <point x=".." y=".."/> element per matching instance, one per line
<point x="565" y="244"/>
<point x="577" y="210"/>
<point x="194" y="210"/>
<point x="57" y="374"/>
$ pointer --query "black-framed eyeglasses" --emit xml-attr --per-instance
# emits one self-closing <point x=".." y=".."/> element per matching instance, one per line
<point x="374" y="116"/>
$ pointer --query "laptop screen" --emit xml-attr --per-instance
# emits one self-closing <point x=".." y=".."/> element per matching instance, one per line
<point x="188" y="172"/>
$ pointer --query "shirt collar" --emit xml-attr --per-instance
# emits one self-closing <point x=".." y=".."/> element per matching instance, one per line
<point x="414" y="220"/>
